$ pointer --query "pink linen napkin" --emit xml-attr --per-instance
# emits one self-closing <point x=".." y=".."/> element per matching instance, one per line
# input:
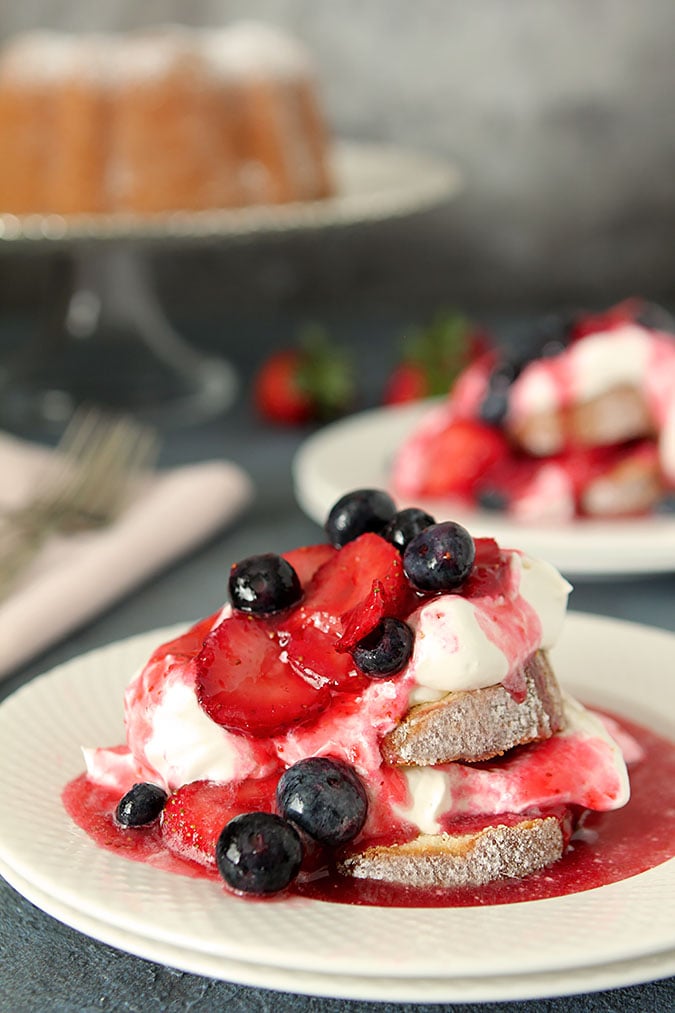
<point x="75" y="578"/>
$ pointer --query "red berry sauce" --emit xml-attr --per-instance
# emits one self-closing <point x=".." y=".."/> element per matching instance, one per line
<point x="611" y="846"/>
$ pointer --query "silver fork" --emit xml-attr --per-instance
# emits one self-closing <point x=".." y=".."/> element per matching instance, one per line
<point x="96" y="466"/>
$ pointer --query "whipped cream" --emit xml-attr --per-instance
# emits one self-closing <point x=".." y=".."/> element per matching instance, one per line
<point x="470" y="643"/>
<point x="172" y="741"/>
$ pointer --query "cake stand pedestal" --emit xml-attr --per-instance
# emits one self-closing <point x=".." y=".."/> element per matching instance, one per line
<point x="112" y="344"/>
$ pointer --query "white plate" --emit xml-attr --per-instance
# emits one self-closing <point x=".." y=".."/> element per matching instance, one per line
<point x="373" y="183"/>
<point x="623" y="666"/>
<point x="422" y="990"/>
<point x="358" y="451"/>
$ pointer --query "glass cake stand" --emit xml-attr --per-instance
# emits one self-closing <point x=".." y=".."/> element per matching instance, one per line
<point x="112" y="343"/>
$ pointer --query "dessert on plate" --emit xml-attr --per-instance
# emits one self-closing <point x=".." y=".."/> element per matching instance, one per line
<point x="584" y="426"/>
<point x="160" y="120"/>
<point x="381" y="707"/>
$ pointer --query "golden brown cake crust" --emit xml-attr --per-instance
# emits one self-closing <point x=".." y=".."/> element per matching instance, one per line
<point x="478" y="724"/>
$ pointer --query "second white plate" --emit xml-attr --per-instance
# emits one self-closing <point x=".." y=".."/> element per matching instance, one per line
<point x="358" y="451"/>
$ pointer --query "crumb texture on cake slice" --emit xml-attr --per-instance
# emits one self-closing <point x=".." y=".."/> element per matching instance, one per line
<point x="615" y="416"/>
<point x="473" y="725"/>
<point x="446" y="860"/>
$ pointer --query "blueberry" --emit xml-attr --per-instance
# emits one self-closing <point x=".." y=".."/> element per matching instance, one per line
<point x="325" y="797"/>
<point x="404" y="525"/>
<point x="490" y="498"/>
<point x="509" y="368"/>
<point x="258" y="853"/>
<point x="552" y="334"/>
<point x="385" y="650"/>
<point x="141" y="805"/>
<point x="495" y="403"/>
<point x="547" y="336"/>
<point x="357" y="512"/>
<point x="264" y="584"/>
<point x="440" y="558"/>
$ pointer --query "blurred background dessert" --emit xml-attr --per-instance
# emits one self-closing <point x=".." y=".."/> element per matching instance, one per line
<point x="160" y="120"/>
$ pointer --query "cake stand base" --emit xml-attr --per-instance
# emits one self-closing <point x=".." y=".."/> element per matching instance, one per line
<point x="113" y="346"/>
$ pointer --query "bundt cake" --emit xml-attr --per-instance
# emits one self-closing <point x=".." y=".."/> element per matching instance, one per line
<point x="157" y="121"/>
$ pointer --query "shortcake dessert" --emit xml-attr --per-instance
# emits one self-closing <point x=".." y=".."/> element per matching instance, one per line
<point x="582" y="427"/>
<point x="382" y="706"/>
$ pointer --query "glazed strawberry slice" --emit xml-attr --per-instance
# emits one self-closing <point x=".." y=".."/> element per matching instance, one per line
<point x="488" y="552"/>
<point x="315" y="655"/>
<point x="358" y="622"/>
<point x="346" y="581"/>
<point x="625" y="312"/>
<point x="460" y="455"/>
<point x="245" y="683"/>
<point x="345" y="600"/>
<point x="307" y="560"/>
<point x="196" y="813"/>
<point x="189" y="643"/>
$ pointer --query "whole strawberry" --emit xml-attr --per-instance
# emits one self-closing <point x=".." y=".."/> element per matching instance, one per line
<point x="432" y="358"/>
<point x="308" y="383"/>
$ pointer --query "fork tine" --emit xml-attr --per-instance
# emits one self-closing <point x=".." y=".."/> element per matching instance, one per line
<point x="96" y="463"/>
<point x="121" y="454"/>
<point x="70" y="458"/>
<point x="116" y="452"/>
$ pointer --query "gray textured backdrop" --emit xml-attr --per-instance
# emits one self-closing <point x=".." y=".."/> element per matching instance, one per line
<point x="560" y="112"/>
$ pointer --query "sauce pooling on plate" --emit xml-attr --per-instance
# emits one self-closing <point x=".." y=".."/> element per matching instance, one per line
<point x="608" y="848"/>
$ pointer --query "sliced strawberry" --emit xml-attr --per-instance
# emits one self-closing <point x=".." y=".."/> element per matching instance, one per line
<point x="187" y="644"/>
<point x="364" y="617"/>
<point x="358" y="622"/>
<point x="315" y="655"/>
<point x="407" y="382"/>
<point x="244" y="684"/>
<point x="458" y="456"/>
<point x="346" y="580"/>
<point x="363" y="582"/>
<point x="307" y="560"/>
<point x="197" y="812"/>
<point x="616" y="316"/>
